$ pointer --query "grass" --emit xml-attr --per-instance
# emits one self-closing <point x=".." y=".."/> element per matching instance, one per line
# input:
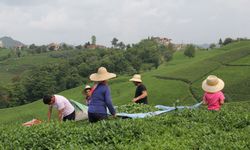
<point x="243" y="61"/>
<point x="4" y="52"/>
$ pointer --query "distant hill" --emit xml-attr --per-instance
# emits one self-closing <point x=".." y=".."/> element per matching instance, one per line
<point x="205" y="45"/>
<point x="8" y="42"/>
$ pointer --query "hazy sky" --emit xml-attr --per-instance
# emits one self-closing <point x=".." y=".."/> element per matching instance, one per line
<point x="75" y="21"/>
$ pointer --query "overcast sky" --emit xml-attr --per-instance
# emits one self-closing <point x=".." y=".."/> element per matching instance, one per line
<point x="75" y="21"/>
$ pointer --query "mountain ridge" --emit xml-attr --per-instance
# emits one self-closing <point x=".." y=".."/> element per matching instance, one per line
<point x="9" y="42"/>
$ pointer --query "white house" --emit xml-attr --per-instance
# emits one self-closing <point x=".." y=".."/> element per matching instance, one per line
<point x="164" y="41"/>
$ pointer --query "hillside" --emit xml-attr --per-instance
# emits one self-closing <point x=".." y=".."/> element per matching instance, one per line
<point x="178" y="80"/>
<point x="8" y="42"/>
<point x="12" y="67"/>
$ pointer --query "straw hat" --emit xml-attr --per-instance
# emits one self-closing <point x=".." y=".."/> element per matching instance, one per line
<point x="212" y="84"/>
<point x="136" y="78"/>
<point x="102" y="75"/>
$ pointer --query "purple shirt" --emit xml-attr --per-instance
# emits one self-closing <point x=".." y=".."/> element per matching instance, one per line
<point x="100" y="100"/>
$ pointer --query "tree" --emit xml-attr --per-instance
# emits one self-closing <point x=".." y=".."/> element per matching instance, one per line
<point x="64" y="46"/>
<point x="18" y="53"/>
<point x="86" y="45"/>
<point x="121" y="45"/>
<point x="189" y="50"/>
<point x="18" y="93"/>
<point x="168" y="55"/>
<point x="84" y="69"/>
<point x="43" y="48"/>
<point x="93" y="40"/>
<point x="128" y="46"/>
<point x="220" y="42"/>
<point x="227" y="41"/>
<point x="166" y="51"/>
<point x="170" y="47"/>
<point x="72" y="79"/>
<point x="79" y="47"/>
<point x="114" y="42"/>
<point x="32" y="46"/>
<point x="4" y="97"/>
<point x="211" y="46"/>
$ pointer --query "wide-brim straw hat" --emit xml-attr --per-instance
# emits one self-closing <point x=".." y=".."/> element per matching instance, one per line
<point x="212" y="84"/>
<point x="102" y="75"/>
<point x="136" y="78"/>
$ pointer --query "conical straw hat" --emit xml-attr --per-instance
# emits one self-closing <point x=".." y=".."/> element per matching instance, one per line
<point x="102" y="75"/>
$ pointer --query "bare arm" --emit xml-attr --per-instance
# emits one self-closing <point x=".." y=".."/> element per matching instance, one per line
<point x="143" y="95"/>
<point x="60" y="116"/>
<point x="222" y="102"/>
<point x="204" y="102"/>
<point x="222" y="98"/>
<point x="49" y="113"/>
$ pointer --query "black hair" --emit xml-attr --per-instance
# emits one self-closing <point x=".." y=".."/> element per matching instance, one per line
<point x="47" y="99"/>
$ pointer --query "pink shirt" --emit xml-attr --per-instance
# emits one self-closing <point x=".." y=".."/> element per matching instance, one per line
<point x="214" y="100"/>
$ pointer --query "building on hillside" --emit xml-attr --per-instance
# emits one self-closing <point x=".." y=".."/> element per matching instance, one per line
<point x="163" y="41"/>
<point x="1" y="44"/>
<point x="94" y="46"/>
<point x="53" y="47"/>
<point x="19" y="47"/>
<point x="179" y="46"/>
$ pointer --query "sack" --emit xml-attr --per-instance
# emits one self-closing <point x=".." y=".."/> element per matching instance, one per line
<point x="81" y="115"/>
<point x="80" y="109"/>
<point x="32" y="122"/>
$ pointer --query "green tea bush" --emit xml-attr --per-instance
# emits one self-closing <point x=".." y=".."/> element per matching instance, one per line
<point x="135" y="108"/>
<point x="187" y="129"/>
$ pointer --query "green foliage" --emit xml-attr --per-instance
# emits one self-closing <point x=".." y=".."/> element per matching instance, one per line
<point x="93" y="39"/>
<point x="244" y="61"/>
<point x="171" y="81"/>
<point x="189" y="50"/>
<point x="227" y="41"/>
<point x="220" y="42"/>
<point x="79" y="47"/>
<point x="48" y="79"/>
<point x="147" y="51"/>
<point x="114" y="42"/>
<point x="187" y="129"/>
<point x="4" y="97"/>
<point x="4" y="54"/>
<point x="135" y="108"/>
<point x="121" y="45"/>
<point x="32" y="46"/>
<point x="212" y="46"/>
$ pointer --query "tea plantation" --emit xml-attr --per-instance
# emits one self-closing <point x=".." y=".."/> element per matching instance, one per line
<point x="179" y="79"/>
<point x="12" y="67"/>
<point x="187" y="129"/>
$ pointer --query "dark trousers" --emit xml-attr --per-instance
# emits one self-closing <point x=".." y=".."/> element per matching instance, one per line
<point x="70" y="116"/>
<point x="94" y="117"/>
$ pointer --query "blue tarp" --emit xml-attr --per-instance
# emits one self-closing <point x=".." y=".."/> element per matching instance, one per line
<point x="162" y="109"/>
